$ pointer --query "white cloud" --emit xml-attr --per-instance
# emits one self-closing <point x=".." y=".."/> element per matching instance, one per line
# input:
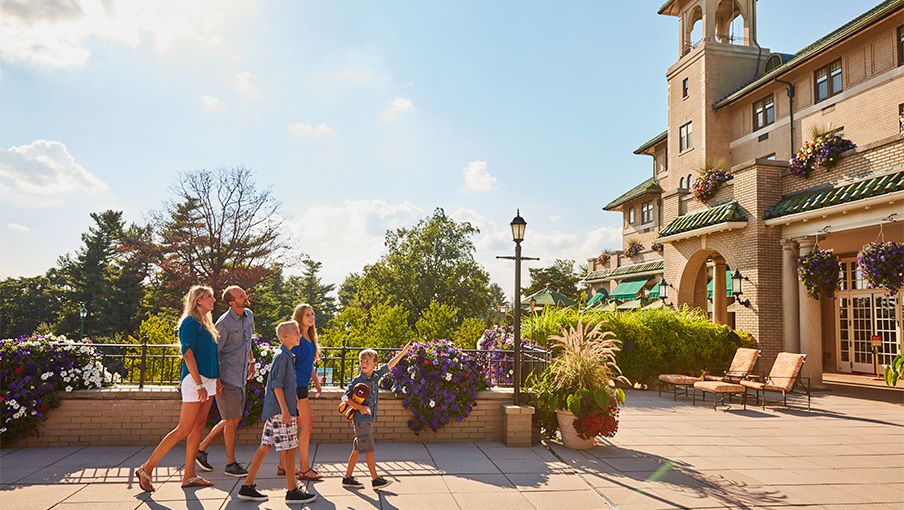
<point x="476" y="176"/>
<point x="398" y="106"/>
<point x="16" y="226"/>
<point x="243" y="83"/>
<point x="42" y="172"/>
<point x="212" y="103"/>
<point x="350" y="235"/>
<point x="555" y="218"/>
<point x="302" y="129"/>
<point x="59" y="32"/>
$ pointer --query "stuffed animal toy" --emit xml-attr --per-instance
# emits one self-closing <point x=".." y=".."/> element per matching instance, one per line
<point x="359" y="393"/>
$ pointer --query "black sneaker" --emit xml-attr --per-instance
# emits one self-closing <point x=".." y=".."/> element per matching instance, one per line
<point x="201" y="461"/>
<point x="381" y="483"/>
<point x="297" y="495"/>
<point x="352" y="482"/>
<point x="235" y="469"/>
<point x="248" y="492"/>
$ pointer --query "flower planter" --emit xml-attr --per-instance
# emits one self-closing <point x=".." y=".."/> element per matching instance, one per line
<point x="570" y="436"/>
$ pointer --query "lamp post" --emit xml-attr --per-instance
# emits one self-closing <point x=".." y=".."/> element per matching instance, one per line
<point x="82" y="314"/>
<point x="518" y="226"/>
<point x="737" y="279"/>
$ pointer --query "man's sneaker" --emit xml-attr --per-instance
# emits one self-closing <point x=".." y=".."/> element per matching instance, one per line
<point x="352" y="482"/>
<point x="249" y="492"/>
<point x="201" y="461"/>
<point x="235" y="469"/>
<point x="297" y="495"/>
<point x="381" y="483"/>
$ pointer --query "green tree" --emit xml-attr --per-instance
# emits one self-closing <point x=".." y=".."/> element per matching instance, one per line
<point x="26" y="303"/>
<point x="389" y="327"/>
<point x="272" y="302"/>
<point x="309" y="288"/>
<point x="470" y="331"/>
<point x="560" y="277"/>
<point x="437" y="323"/>
<point x="348" y="290"/>
<point x="219" y="230"/>
<point x="433" y="261"/>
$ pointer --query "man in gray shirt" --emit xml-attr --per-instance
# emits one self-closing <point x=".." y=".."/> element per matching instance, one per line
<point x="236" y="327"/>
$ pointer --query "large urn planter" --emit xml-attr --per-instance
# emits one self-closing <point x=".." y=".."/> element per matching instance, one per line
<point x="570" y="437"/>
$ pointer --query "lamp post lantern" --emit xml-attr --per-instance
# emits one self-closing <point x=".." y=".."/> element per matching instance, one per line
<point x="82" y="314"/>
<point x="518" y="227"/>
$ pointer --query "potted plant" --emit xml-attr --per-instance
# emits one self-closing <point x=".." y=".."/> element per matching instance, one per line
<point x="883" y="265"/>
<point x="576" y="393"/>
<point x="634" y="247"/>
<point x="822" y="152"/>
<point x="709" y="180"/>
<point x="820" y="272"/>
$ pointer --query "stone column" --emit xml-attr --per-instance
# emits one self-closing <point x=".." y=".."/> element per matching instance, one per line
<point x="790" y="298"/>
<point x="720" y="300"/>
<point x="810" y="326"/>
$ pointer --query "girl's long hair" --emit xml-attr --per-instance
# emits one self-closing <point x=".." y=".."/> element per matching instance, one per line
<point x="311" y="333"/>
<point x="190" y="309"/>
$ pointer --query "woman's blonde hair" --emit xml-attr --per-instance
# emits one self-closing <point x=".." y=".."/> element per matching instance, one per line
<point x="190" y="308"/>
<point x="311" y="333"/>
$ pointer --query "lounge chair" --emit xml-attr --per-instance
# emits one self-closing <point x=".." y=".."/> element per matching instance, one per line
<point x="742" y="366"/>
<point x="720" y="388"/>
<point x="784" y="377"/>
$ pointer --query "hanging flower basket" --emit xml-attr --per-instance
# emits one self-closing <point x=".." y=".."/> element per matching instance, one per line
<point x="821" y="153"/>
<point x="901" y="124"/>
<point x="657" y="247"/>
<point x="604" y="257"/>
<point x="709" y="181"/>
<point x="883" y="265"/>
<point x="820" y="272"/>
<point x="634" y="247"/>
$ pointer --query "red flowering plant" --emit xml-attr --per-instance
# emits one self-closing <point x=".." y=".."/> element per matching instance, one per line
<point x="604" y="257"/>
<point x="820" y="272"/>
<point x="440" y="384"/>
<point x="580" y="379"/>
<point x="883" y="265"/>
<point x="709" y="180"/>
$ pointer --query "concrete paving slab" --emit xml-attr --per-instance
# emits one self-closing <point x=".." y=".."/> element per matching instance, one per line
<point x="37" y="495"/>
<point x="482" y="501"/>
<point x="95" y="494"/>
<point x="527" y="482"/>
<point x="459" y="484"/>
<point x="466" y="464"/>
<point x="390" y="501"/>
<point x="11" y="475"/>
<point x="110" y="505"/>
<point x="535" y="465"/>
<point x="192" y="504"/>
<point x="572" y="500"/>
<point x="173" y="491"/>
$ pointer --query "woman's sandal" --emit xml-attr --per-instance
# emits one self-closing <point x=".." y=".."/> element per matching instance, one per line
<point x="313" y="476"/>
<point x="196" y="481"/>
<point x="144" y="478"/>
<point x="282" y="472"/>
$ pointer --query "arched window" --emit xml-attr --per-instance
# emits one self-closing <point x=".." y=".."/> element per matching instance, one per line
<point x="682" y="183"/>
<point x="689" y="183"/>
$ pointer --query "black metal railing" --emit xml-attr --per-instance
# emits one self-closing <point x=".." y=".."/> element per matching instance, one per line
<point x="161" y="364"/>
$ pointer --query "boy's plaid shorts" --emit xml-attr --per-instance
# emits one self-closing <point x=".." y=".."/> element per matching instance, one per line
<point x="284" y="436"/>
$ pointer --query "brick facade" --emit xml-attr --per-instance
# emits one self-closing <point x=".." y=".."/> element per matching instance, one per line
<point x="127" y="416"/>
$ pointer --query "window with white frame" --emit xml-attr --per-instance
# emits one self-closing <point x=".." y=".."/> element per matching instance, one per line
<point x="631" y="216"/>
<point x="646" y="212"/>
<point x="763" y="112"/>
<point x="828" y="80"/>
<point x="685" y="136"/>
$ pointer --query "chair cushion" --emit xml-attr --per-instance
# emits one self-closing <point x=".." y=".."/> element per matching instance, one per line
<point x="753" y="384"/>
<point x="678" y="379"/>
<point x="784" y="371"/>
<point x="744" y="361"/>
<point x="719" y="387"/>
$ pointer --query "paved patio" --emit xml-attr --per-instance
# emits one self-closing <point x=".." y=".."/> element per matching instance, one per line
<point x="847" y="453"/>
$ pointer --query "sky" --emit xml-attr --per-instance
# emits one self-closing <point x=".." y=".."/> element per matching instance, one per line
<point x="361" y="116"/>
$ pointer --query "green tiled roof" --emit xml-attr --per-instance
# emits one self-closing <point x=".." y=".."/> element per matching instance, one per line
<point x="645" y="267"/>
<point x="867" y="188"/>
<point x="643" y="148"/>
<point x="848" y="29"/>
<point x="647" y="186"/>
<point x="713" y="216"/>
<point x="599" y="274"/>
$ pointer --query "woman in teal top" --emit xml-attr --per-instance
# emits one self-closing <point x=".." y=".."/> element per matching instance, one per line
<point x="200" y="382"/>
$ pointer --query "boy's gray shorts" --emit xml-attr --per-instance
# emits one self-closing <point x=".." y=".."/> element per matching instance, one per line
<point x="364" y="437"/>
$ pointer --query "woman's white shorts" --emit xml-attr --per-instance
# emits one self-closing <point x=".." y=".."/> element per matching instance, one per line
<point x="190" y="389"/>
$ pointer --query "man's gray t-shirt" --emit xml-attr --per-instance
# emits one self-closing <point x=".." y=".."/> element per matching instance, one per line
<point x="233" y="346"/>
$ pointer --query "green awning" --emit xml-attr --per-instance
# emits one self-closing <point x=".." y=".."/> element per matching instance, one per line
<point x="709" y="286"/>
<point x="654" y="292"/>
<point x="709" y="307"/>
<point x="628" y="289"/>
<point x="633" y="304"/>
<point x="600" y="295"/>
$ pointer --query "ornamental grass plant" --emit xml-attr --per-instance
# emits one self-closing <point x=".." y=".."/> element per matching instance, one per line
<point x="581" y="379"/>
